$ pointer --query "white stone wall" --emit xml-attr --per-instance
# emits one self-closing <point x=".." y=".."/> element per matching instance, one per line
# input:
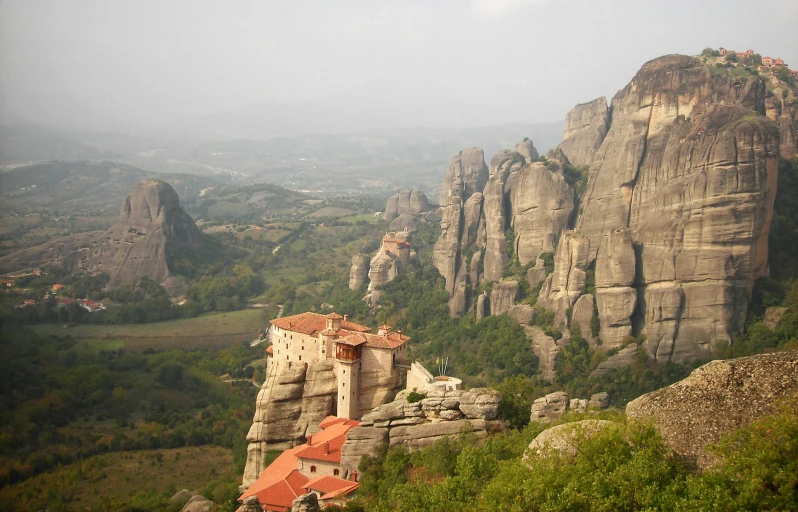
<point x="322" y="468"/>
<point x="293" y="347"/>
<point x="349" y="390"/>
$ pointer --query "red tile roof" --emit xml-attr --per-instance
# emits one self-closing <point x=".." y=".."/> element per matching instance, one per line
<point x="281" y="482"/>
<point x="270" y="349"/>
<point x="312" y="323"/>
<point x="330" y="486"/>
<point x="330" y="420"/>
<point x="326" y="445"/>
<point x="387" y="341"/>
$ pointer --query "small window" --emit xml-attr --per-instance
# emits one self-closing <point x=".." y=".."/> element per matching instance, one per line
<point x="313" y="469"/>
<point x="300" y="358"/>
<point x="343" y="384"/>
<point x="303" y="347"/>
<point x="344" y="372"/>
<point x="336" y="472"/>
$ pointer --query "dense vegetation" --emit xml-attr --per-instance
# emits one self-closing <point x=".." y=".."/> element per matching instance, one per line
<point x="624" y="467"/>
<point x="64" y="402"/>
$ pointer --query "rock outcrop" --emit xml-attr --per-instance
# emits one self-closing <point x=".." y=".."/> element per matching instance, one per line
<point x="150" y="229"/>
<point x="774" y="316"/>
<point x="406" y="202"/>
<point x="616" y="300"/>
<point x="564" y="439"/>
<point x="502" y="297"/>
<point x="290" y="406"/>
<point x="552" y="406"/>
<point x="306" y="503"/>
<point x="417" y="425"/>
<point x="198" y="503"/>
<point x="359" y="272"/>
<point x="563" y="287"/>
<point x="392" y="258"/>
<point x="717" y="398"/>
<point x="479" y="207"/>
<point x="586" y="125"/>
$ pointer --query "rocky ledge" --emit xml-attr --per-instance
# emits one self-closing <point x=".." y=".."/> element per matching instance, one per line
<point x="419" y="424"/>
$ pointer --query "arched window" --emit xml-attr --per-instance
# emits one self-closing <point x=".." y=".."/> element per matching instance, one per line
<point x="313" y="469"/>
<point x="336" y="472"/>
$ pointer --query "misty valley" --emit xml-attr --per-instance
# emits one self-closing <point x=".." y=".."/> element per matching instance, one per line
<point x="394" y="296"/>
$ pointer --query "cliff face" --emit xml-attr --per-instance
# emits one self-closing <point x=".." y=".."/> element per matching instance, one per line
<point x="519" y="194"/>
<point x="151" y="226"/>
<point x="586" y="125"/>
<point x="290" y="405"/>
<point x="674" y="220"/>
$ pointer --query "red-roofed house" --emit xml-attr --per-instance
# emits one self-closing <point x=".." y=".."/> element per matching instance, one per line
<point x="311" y="467"/>
<point x="362" y="361"/>
<point x="57" y="287"/>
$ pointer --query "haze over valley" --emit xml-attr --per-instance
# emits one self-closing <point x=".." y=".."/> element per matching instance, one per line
<point x="398" y="256"/>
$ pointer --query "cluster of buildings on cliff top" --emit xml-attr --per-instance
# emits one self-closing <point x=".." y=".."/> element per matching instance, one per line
<point x="356" y="353"/>
<point x="767" y="62"/>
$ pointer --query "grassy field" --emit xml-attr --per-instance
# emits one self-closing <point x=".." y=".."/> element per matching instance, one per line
<point x="331" y="211"/>
<point x="103" y="480"/>
<point x="205" y="331"/>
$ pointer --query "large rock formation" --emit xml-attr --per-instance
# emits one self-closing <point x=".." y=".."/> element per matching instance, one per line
<point x="391" y="258"/>
<point x="674" y="218"/>
<point x="689" y="168"/>
<point x="717" y="398"/>
<point x="290" y="405"/>
<point x="359" y="272"/>
<point x="586" y="125"/>
<point x="406" y="202"/>
<point x="516" y="192"/>
<point x="151" y="227"/>
<point x="417" y="425"/>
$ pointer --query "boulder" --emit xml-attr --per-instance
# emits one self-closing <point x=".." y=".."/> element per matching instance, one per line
<point x="306" y="503"/>
<point x="599" y="401"/>
<point x="480" y="403"/>
<point x="717" y="398"/>
<point x="578" y="405"/>
<point x="550" y="407"/>
<point x="182" y="496"/>
<point x="564" y="439"/>
<point x="198" y="503"/>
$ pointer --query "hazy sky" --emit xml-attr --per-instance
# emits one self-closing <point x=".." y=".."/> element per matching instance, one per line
<point x="442" y="63"/>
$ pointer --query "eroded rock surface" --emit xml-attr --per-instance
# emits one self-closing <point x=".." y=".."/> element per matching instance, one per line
<point x="586" y="125"/>
<point x="151" y="227"/>
<point x="406" y="202"/>
<point x="717" y="398"/>
<point x="359" y="272"/>
<point x="417" y="425"/>
<point x="564" y="439"/>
